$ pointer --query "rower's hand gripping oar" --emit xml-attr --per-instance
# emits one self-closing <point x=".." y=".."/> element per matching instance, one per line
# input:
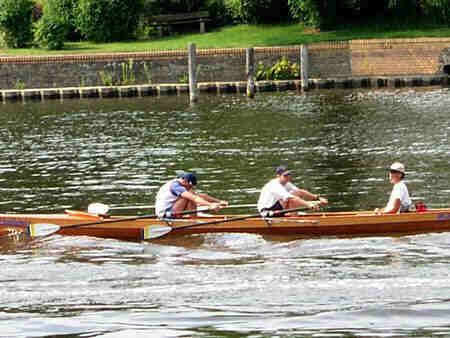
<point x="45" y="229"/>
<point x="153" y="232"/>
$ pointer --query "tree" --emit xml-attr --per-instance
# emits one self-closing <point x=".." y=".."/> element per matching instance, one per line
<point x="108" y="20"/>
<point x="16" y="22"/>
<point x="53" y="29"/>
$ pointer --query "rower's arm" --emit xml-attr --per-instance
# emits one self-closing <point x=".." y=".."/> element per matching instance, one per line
<point x="198" y="200"/>
<point x="306" y="195"/>
<point x="310" y="205"/>
<point x="213" y="200"/>
<point x="394" y="209"/>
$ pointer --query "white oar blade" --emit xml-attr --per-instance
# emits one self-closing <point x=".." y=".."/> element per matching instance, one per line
<point x="155" y="231"/>
<point x="42" y="229"/>
<point x="98" y="208"/>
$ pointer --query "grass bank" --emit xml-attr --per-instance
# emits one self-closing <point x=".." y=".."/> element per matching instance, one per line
<point x="247" y="36"/>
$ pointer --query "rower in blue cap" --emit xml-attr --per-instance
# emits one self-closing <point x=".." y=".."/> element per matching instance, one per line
<point x="178" y="195"/>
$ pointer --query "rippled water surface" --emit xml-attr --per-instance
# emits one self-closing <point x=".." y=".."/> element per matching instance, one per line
<point x="59" y="155"/>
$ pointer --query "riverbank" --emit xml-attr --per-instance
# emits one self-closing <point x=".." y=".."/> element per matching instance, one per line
<point x="347" y="62"/>
<point x="238" y="87"/>
<point x="247" y="35"/>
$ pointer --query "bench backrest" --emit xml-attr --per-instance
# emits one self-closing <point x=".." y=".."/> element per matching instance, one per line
<point x="167" y="18"/>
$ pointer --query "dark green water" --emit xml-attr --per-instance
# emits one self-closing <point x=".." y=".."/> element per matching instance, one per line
<point x="58" y="155"/>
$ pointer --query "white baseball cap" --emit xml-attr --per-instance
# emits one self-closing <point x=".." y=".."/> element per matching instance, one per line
<point x="397" y="166"/>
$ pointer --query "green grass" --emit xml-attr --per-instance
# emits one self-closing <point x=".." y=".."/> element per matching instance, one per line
<point x="247" y="36"/>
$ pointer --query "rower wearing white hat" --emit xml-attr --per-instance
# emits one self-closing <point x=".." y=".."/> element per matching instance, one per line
<point x="399" y="200"/>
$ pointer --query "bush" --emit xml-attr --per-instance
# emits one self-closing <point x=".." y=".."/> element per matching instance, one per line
<point x="15" y="22"/>
<point x="282" y="70"/>
<point x="173" y="6"/>
<point x="258" y="11"/>
<point x="218" y="12"/>
<point x="108" y="20"/>
<point x="57" y="21"/>
<point x="37" y="12"/>
<point x="306" y="11"/>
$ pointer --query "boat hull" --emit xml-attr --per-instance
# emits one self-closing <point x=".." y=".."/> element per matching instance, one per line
<point x="309" y="225"/>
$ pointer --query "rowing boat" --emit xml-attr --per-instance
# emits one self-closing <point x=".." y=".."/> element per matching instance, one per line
<point x="311" y="224"/>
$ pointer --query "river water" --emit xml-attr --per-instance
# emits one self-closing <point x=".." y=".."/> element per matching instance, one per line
<point x="59" y="155"/>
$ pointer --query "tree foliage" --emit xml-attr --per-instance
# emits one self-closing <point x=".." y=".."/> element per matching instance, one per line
<point x="258" y="11"/>
<point x="330" y="13"/>
<point x="15" y="22"/>
<point x="118" y="20"/>
<point x="174" y="6"/>
<point x="56" y="24"/>
<point x="108" y="20"/>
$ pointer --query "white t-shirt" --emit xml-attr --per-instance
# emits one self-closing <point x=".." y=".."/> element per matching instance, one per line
<point x="167" y="195"/>
<point x="399" y="191"/>
<point x="273" y="192"/>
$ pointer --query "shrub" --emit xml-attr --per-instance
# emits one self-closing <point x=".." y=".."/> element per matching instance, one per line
<point x="37" y="12"/>
<point x="53" y="28"/>
<point x="66" y="10"/>
<point x="306" y="11"/>
<point x="218" y="12"/>
<point x="108" y="20"/>
<point x="15" y="22"/>
<point x="258" y="11"/>
<point x="282" y="70"/>
<point x="173" y="6"/>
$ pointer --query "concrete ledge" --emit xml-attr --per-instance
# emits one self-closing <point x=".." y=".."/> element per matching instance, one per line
<point x="31" y="94"/>
<point x="167" y="89"/>
<point x="225" y="87"/>
<point x="128" y="91"/>
<point x="207" y="87"/>
<point x="183" y="89"/>
<point x="69" y="93"/>
<point x="11" y="95"/>
<point x="265" y="86"/>
<point x="108" y="92"/>
<point x="222" y="87"/>
<point x="49" y="94"/>
<point x="241" y="87"/>
<point x="89" y="92"/>
<point x="148" y="90"/>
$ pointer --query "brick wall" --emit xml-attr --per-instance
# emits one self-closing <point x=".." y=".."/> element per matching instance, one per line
<point x="399" y="56"/>
<point x="326" y="60"/>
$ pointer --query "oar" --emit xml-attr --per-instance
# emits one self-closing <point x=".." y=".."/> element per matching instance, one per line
<point x="44" y="229"/>
<point x="100" y="208"/>
<point x="159" y="231"/>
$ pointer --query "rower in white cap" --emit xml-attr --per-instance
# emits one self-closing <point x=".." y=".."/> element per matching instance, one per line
<point x="399" y="200"/>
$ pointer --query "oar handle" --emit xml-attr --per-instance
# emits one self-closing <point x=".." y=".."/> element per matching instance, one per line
<point x="234" y="219"/>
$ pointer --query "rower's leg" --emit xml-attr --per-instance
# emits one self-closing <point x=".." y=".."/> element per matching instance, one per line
<point x="183" y="204"/>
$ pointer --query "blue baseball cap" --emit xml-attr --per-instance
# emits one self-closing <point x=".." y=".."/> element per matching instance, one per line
<point x="282" y="171"/>
<point x="189" y="177"/>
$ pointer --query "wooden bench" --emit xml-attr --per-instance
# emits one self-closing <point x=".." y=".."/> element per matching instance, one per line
<point x="167" y="20"/>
